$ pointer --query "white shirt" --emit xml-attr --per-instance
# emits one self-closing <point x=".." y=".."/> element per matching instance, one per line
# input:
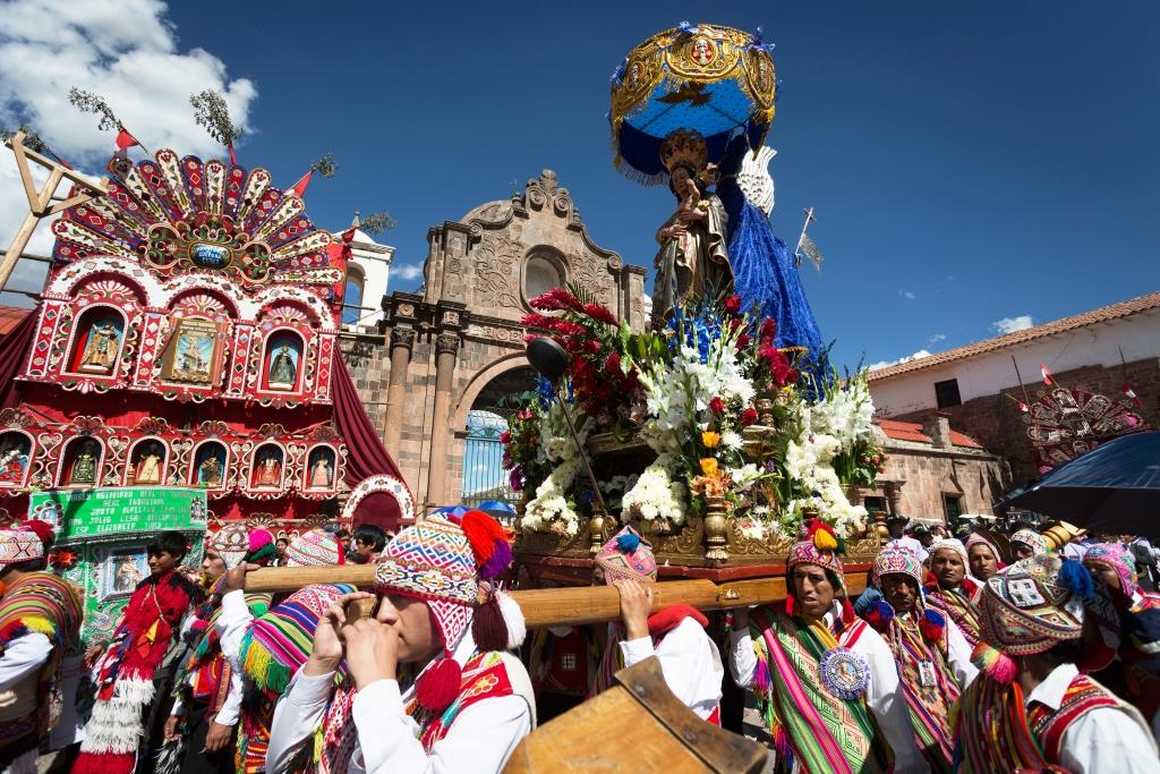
<point x="690" y="663"/>
<point x="1107" y="739"/>
<point x="481" y="739"/>
<point x="23" y="656"/>
<point x="883" y="694"/>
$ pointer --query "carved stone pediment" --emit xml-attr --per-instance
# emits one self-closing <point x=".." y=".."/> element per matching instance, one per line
<point x="505" y="251"/>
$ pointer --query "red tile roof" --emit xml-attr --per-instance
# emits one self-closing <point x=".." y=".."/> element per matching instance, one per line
<point x="10" y="317"/>
<point x="1103" y="314"/>
<point x="912" y="431"/>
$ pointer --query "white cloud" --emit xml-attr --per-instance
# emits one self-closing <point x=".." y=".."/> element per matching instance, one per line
<point x="1011" y="324"/>
<point x="124" y="50"/>
<point x="906" y="359"/>
<point x="937" y="337"/>
<point x="407" y="271"/>
<point x="907" y="294"/>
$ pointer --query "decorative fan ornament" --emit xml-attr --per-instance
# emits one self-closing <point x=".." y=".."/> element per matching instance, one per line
<point x="1064" y="423"/>
<point x="181" y="216"/>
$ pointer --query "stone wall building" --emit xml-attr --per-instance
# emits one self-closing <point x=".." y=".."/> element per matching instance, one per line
<point x="457" y="347"/>
<point x="977" y="387"/>
<point x="933" y="473"/>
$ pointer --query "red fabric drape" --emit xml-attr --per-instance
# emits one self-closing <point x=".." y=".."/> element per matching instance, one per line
<point x="366" y="455"/>
<point x="13" y="355"/>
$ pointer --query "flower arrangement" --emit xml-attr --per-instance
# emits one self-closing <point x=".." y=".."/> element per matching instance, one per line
<point x="728" y="414"/>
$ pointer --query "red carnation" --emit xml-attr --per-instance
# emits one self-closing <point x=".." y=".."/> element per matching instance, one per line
<point x="748" y="416"/>
<point x="612" y="362"/>
<point x="733" y="304"/>
<point x="743" y="341"/>
<point x="505" y="436"/>
<point x="592" y="345"/>
<point x="717" y="406"/>
<point x="768" y="328"/>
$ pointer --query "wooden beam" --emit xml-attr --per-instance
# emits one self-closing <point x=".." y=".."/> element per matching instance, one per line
<point x="565" y="606"/>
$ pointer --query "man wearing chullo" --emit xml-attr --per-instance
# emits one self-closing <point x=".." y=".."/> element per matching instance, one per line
<point x="827" y="682"/>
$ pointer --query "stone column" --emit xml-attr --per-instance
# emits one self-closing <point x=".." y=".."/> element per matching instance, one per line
<point x="402" y="340"/>
<point x="446" y="347"/>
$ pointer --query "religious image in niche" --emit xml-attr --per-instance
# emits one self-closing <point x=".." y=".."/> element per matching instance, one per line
<point x="14" y="449"/>
<point x="267" y="468"/>
<point x="321" y="469"/>
<point x="210" y="465"/>
<point x="102" y="342"/>
<point x="150" y="458"/>
<point x="83" y="468"/>
<point x="282" y="359"/>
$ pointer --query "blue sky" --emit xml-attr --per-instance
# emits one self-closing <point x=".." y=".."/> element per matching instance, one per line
<point x="969" y="163"/>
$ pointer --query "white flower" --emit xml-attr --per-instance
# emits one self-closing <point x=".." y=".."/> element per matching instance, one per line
<point x="732" y="440"/>
<point x="655" y="495"/>
<point x="745" y="476"/>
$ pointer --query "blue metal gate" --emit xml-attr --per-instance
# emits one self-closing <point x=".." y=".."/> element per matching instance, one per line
<point x="484" y="476"/>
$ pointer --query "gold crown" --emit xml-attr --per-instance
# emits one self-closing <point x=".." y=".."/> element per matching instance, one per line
<point x="685" y="148"/>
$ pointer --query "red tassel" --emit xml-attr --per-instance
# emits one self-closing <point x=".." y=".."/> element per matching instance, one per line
<point x="789" y="605"/>
<point x="439" y="684"/>
<point x="848" y="614"/>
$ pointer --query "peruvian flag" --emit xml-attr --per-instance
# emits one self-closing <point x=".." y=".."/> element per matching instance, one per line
<point x="299" y="188"/>
<point x="124" y="140"/>
<point x="1046" y="374"/>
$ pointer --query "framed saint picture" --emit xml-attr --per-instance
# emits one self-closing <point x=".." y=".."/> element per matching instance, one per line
<point x="191" y="356"/>
<point x="122" y="571"/>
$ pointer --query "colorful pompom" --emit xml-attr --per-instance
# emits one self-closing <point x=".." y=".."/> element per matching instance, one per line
<point x="482" y="533"/>
<point x="439" y="684"/>
<point x="932" y="625"/>
<point x="501" y="557"/>
<point x="42" y="529"/>
<point x="628" y="542"/>
<point x="998" y="666"/>
<point x="1074" y="577"/>
<point x="879" y="614"/>
<point x="822" y="535"/>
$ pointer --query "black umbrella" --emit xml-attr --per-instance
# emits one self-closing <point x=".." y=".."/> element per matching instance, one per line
<point x="1113" y="488"/>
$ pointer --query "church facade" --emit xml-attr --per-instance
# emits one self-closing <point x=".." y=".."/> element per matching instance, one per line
<point x="453" y="354"/>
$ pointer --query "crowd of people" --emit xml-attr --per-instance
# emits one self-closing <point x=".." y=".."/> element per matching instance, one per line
<point x="1027" y="652"/>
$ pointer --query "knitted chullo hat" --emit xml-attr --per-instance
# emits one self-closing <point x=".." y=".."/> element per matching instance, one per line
<point x="626" y="556"/>
<point x="278" y="642"/>
<point x="1119" y="559"/>
<point x="1031" y="538"/>
<point x="22" y="544"/>
<point x="819" y="546"/>
<point x="231" y="543"/>
<point x="262" y="548"/>
<point x="984" y="538"/>
<point x="949" y="544"/>
<point x="450" y="563"/>
<point x="316" y="548"/>
<point x="898" y="560"/>
<point x="1029" y="608"/>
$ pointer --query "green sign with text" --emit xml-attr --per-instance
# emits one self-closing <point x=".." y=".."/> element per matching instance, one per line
<point x="103" y="513"/>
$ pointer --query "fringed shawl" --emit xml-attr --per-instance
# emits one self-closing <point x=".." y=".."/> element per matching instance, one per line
<point x="961" y="606"/>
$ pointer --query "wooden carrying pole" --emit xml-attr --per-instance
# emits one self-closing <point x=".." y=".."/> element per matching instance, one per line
<point x="567" y="605"/>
